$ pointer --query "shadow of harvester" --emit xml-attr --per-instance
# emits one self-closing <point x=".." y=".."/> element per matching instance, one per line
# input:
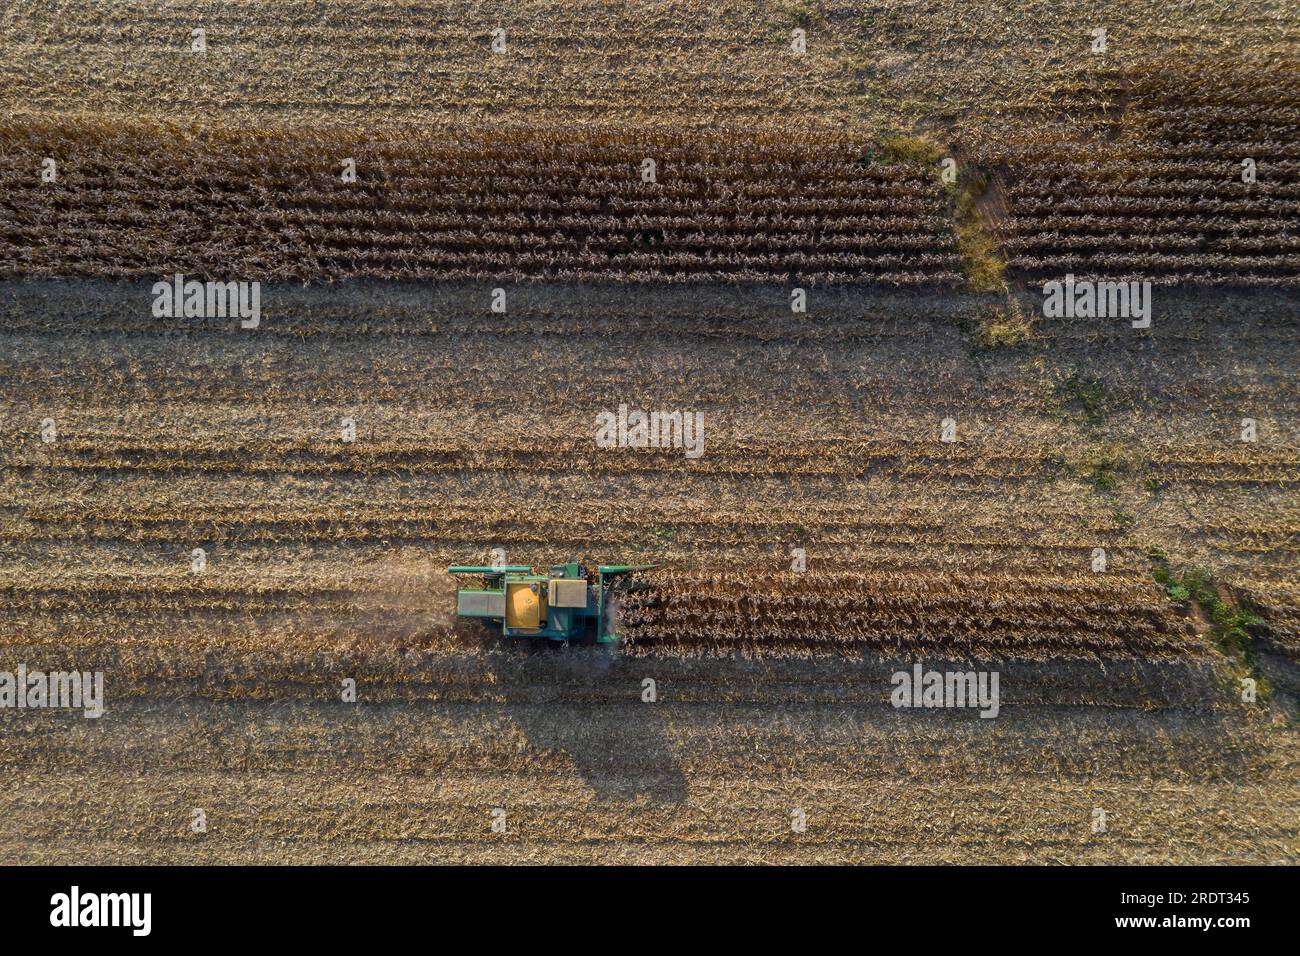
<point x="585" y="701"/>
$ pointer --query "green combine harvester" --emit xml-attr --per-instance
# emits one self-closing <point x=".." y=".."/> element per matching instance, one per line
<point x="564" y="605"/>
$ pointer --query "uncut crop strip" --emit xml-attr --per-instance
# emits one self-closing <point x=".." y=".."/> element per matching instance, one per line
<point x="152" y="200"/>
<point x="1166" y="200"/>
<point x="957" y="613"/>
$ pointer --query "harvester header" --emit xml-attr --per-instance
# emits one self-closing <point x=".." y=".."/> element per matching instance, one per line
<point x="564" y="605"/>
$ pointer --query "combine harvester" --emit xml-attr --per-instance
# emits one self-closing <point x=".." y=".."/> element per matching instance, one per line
<point x="564" y="605"/>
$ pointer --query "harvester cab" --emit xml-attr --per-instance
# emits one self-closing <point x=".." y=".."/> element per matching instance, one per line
<point x="564" y="605"/>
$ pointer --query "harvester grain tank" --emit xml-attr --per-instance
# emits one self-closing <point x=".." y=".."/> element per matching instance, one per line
<point x="564" y="605"/>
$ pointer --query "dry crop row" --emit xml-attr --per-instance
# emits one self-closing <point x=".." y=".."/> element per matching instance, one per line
<point x="1167" y="198"/>
<point x="905" y="612"/>
<point x="156" y="200"/>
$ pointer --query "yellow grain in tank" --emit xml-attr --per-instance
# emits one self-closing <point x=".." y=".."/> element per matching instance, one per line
<point x="523" y="605"/>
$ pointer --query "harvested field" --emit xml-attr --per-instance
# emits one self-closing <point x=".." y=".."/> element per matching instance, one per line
<point x="287" y="783"/>
<point x="242" y="524"/>
<point x="325" y="557"/>
<point x="577" y="63"/>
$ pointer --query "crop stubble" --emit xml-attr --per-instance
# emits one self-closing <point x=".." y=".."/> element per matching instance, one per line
<point x="324" y="557"/>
